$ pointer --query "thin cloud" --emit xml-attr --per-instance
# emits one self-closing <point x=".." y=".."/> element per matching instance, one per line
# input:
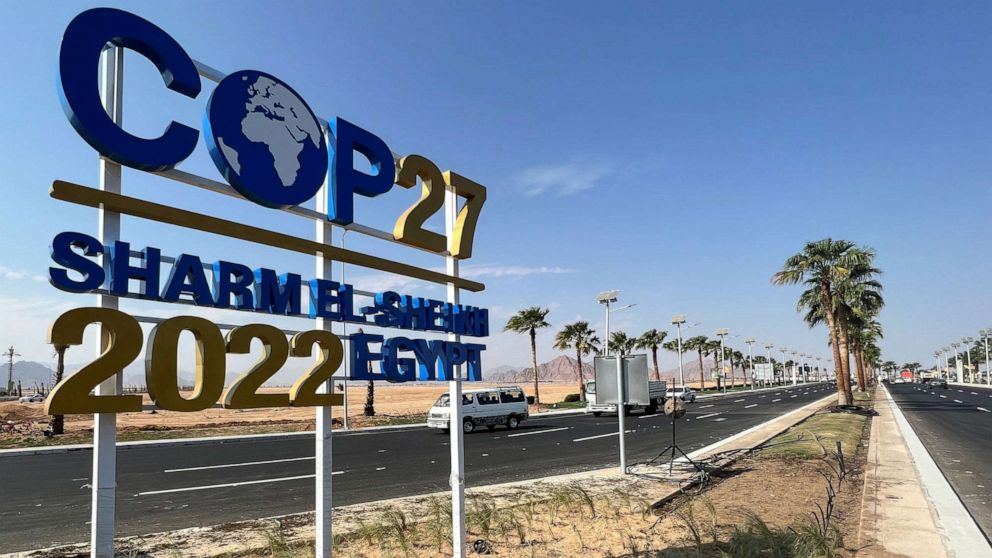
<point x="493" y="271"/>
<point x="11" y="274"/>
<point x="564" y="179"/>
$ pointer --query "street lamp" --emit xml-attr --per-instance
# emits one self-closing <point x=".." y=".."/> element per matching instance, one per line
<point x="794" y="380"/>
<point x="768" y="347"/>
<point x="947" y="363"/>
<point x="677" y="321"/>
<point x="936" y="359"/>
<point x="957" y="360"/>
<point x="967" y="341"/>
<point x="783" y="350"/>
<point x="606" y="297"/>
<point x="721" y="333"/>
<point x="750" y="359"/>
<point x="988" y="369"/>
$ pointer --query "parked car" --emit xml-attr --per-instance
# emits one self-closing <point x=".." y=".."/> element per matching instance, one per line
<point x="683" y="393"/>
<point x="899" y="381"/>
<point x="482" y="407"/>
<point x="36" y="398"/>
<point x="937" y="383"/>
<point x="656" y="395"/>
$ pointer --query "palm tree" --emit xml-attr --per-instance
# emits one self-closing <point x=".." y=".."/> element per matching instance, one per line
<point x="583" y="339"/>
<point x="713" y="349"/>
<point x="529" y="320"/>
<point x="740" y="360"/>
<point x="58" y="421"/>
<point x="652" y="339"/>
<point x="821" y="265"/>
<point x="699" y="344"/>
<point x="621" y="344"/>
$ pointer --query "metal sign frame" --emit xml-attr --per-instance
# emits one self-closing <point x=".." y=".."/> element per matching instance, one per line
<point x="104" y="485"/>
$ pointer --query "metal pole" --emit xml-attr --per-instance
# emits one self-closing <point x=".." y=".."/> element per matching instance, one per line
<point x="347" y="363"/>
<point x="104" y="483"/>
<point x="457" y="435"/>
<point x="323" y="447"/>
<point x="622" y="399"/>
<point x="723" y="365"/>
<point x="682" y="372"/>
<point x="988" y="369"/>
<point x="750" y="362"/>
<point x="967" y="353"/>
<point x="607" y="327"/>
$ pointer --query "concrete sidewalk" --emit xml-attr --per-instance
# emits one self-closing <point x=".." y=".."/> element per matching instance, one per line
<point x="896" y="516"/>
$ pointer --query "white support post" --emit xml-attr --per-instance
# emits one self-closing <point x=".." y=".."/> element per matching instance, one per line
<point x="104" y="481"/>
<point x="324" y="511"/>
<point x="621" y="419"/>
<point x="457" y="435"/>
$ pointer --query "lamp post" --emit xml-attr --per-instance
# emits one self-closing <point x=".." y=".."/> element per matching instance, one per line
<point x="957" y="361"/>
<point x="677" y="321"/>
<point x="768" y="348"/>
<point x="967" y="341"/>
<point x="783" y="350"/>
<point x="794" y="379"/>
<point x="722" y="333"/>
<point x="936" y="360"/>
<point x="750" y="359"/>
<point x="947" y="363"/>
<point x="606" y="298"/>
<point x="988" y="369"/>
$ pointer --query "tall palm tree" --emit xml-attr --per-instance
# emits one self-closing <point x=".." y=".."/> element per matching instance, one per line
<point x="713" y="349"/>
<point x="621" y="344"/>
<point x="652" y="339"/>
<point x="583" y="339"/>
<point x="529" y="320"/>
<point x="699" y="344"/>
<point x="820" y="265"/>
<point x="857" y="300"/>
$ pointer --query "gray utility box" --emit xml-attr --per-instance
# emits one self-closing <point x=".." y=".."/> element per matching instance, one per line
<point x="635" y="374"/>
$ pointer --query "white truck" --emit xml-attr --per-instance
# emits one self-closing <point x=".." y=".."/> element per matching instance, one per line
<point x="656" y="391"/>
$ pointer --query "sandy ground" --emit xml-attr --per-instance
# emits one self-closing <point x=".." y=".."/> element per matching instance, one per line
<point x="391" y="401"/>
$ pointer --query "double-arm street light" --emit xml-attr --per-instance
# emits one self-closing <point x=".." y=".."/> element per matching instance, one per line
<point x="967" y="341"/>
<point x="957" y="361"/>
<point x="750" y="359"/>
<point x="768" y="347"/>
<point x="607" y="298"/>
<point x="722" y="333"/>
<point x="988" y="369"/>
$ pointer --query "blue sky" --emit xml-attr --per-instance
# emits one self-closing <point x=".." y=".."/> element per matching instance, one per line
<point x="677" y="152"/>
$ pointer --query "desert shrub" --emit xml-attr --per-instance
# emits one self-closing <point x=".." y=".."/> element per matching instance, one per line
<point x="571" y="398"/>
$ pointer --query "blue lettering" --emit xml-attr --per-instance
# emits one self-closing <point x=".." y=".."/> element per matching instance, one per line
<point x="121" y="271"/>
<point x="63" y="254"/>
<point x="346" y="181"/>
<point x="233" y="279"/>
<point x="188" y="277"/>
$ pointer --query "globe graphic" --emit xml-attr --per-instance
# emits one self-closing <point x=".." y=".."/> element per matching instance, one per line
<point x="265" y="140"/>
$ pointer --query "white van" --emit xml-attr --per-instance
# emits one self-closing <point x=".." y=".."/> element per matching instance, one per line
<point x="482" y="407"/>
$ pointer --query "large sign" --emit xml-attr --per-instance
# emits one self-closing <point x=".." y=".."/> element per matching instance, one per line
<point x="270" y="146"/>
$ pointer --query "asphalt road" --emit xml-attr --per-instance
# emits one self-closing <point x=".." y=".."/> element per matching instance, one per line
<point x="45" y="498"/>
<point x="955" y="425"/>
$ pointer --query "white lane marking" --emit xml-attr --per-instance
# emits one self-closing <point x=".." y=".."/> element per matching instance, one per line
<point x="538" y="432"/>
<point x="738" y="400"/>
<point x="958" y="401"/>
<point x="943" y="397"/>
<point x="984" y="409"/>
<point x="600" y="436"/>
<point x="721" y="419"/>
<point x="656" y="415"/>
<point x="245" y="464"/>
<point x="764" y="396"/>
<point x="791" y="396"/>
<point x="380" y="468"/>
<point x="775" y="400"/>
<point x="749" y="406"/>
<point x="708" y="416"/>
<point x="230" y="484"/>
<point x="974" y="393"/>
<point x="704" y="406"/>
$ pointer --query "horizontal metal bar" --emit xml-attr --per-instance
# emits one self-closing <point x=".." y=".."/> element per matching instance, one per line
<point x="222" y="188"/>
<point x="109" y="201"/>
